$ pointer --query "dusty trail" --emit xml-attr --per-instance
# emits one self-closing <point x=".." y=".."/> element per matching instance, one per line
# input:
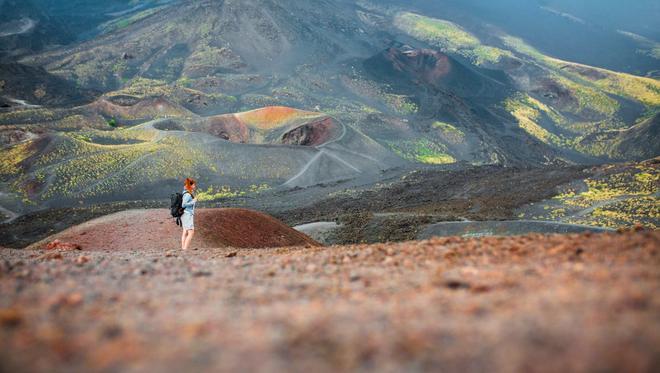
<point x="23" y="26"/>
<point x="11" y="215"/>
<point x="322" y="151"/>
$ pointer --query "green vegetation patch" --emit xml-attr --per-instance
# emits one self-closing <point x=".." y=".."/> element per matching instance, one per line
<point x="449" y="131"/>
<point x="143" y="88"/>
<point x="401" y="104"/>
<point x="588" y="98"/>
<point x="224" y="191"/>
<point x="528" y="111"/>
<point x="11" y="159"/>
<point x="449" y="37"/>
<point x="587" y="81"/>
<point x="520" y="46"/>
<point x="644" y="211"/>
<point x="621" y="198"/>
<point x="397" y="103"/>
<point x="645" y="90"/>
<point x="421" y="150"/>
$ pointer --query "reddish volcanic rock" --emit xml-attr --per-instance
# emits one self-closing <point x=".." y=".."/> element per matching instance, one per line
<point x="59" y="245"/>
<point x="425" y="64"/>
<point x="155" y="229"/>
<point x="228" y="127"/>
<point x="311" y="134"/>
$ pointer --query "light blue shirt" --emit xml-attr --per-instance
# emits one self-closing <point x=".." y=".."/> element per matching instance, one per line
<point x="188" y="204"/>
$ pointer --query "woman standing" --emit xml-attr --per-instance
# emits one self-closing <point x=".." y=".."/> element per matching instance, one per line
<point x="187" y="219"/>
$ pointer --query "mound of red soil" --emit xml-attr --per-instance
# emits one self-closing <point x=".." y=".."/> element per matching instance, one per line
<point x="227" y="127"/>
<point x="155" y="229"/>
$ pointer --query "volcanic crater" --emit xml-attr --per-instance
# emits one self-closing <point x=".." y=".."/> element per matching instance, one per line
<point x="268" y="126"/>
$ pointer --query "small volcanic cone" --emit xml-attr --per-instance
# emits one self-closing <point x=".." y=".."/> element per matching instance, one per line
<point x="147" y="108"/>
<point x="276" y="125"/>
<point x="155" y="229"/>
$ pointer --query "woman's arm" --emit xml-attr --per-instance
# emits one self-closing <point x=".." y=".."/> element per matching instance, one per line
<point x="187" y="201"/>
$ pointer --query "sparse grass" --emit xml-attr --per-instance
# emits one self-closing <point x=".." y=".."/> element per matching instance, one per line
<point x="642" y="89"/>
<point x="645" y="90"/>
<point x="527" y="111"/>
<point x="439" y="31"/>
<point x="396" y="103"/>
<point x="401" y="104"/>
<point x="628" y="197"/>
<point x="421" y="150"/>
<point x="79" y="168"/>
<point x="30" y="116"/>
<point x="119" y="137"/>
<point x="588" y="98"/>
<point x="449" y="131"/>
<point x="143" y="88"/>
<point x="644" y="211"/>
<point x="520" y="46"/>
<point x="225" y="191"/>
<point x="449" y="37"/>
<point x="72" y="122"/>
<point x="577" y="78"/>
<point x="436" y="158"/>
<point x="95" y="72"/>
<point x="212" y="58"/>
<point x="11" y="159"/>
<point x="252" y="101"/>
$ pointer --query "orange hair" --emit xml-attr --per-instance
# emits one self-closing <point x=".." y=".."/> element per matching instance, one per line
<point x="188" y="184"/>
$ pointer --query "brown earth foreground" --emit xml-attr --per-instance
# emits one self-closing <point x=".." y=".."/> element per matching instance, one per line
<point x="155" y="229"/>
<point x="535" y="303"/>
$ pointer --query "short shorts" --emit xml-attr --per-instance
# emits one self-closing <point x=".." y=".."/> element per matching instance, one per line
<point x="187" y="221"/>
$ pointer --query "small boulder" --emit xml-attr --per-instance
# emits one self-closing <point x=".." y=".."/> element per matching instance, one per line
<point x="59" y="245"/>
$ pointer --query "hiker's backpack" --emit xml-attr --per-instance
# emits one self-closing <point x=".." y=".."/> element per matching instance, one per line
<point x="176" y="200"/>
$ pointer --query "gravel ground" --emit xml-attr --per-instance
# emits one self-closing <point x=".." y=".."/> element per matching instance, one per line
<point x="580" y="302"/>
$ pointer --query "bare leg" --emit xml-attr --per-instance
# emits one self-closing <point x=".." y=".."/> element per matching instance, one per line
<point x="189" y="237"/>
<point x="183" y="239"/>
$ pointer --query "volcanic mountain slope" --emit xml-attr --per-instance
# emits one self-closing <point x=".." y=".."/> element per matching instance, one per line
<point x="611" y="34"/>
<point x="459" y="101"/>
<point x="391" y="82"/>
<point x="502" y="102"/>
<point x="28" y="26"/>
<point x="198" y="39"/>
<point x="559" y="102"/>
<point x="25" y="28"/>
<point x="23" y="86"/>
<point x="266" y="147"/>
<point x="641" y="141"/>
